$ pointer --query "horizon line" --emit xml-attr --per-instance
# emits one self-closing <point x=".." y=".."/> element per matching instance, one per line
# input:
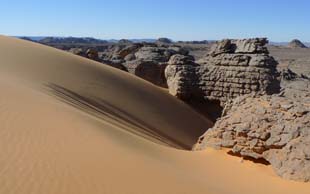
<point x="149" y="38"/>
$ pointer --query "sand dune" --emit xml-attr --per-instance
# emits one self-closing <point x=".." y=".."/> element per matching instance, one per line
<point x="70" y="125"/>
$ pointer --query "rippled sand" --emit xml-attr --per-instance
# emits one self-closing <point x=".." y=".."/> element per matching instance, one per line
<point x="70" y="125"/>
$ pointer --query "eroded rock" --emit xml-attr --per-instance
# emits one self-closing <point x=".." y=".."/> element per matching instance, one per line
<point x="275" y="128"/>
<point x="232" y="68"/>
<point x="181" y="76"/>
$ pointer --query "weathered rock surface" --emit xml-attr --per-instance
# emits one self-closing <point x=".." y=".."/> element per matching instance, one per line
<point x="181" y="76"/>
<point x="77" y="51"/>
<point x="90" y="53"/>
<point x="145" y="60"/>
<point x="296" y="44"/>
<point x="275" y="128"/>
<point x="149" y="70"/>
<point x="231" y="69"/>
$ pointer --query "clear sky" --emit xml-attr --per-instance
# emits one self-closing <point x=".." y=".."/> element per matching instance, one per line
<point x="279" y="20"/>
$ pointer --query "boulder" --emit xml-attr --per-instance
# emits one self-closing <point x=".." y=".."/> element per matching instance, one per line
<point x="149" y="70"/>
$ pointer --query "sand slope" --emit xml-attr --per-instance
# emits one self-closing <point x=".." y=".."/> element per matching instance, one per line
<point x="124" y="96"/>
<point x="70" y="125"/>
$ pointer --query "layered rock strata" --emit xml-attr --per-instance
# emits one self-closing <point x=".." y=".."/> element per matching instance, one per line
<point x="232" y="68"/>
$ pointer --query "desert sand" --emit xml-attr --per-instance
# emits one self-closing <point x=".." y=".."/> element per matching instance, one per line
<point x="71" y="125"/>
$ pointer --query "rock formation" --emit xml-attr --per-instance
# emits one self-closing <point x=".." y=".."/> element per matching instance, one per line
<point x="231" y="69"/>
<point x="145" y="60"/>
<point x="149" y="62"/>
<point x="92" y="53"/>
<point x="275" y="128"/>
<point x="256" y="125"/>
<point x="181" y="76"/>
<point x="77" y="51"/>
<point x="296" y="44"/>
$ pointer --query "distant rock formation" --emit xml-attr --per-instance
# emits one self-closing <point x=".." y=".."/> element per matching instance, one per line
<point x="71" y="40"/>
<point x="275" y="128"/>
<point x="231" y="69"/>
<point x="194" y="42"/>
<point x="163" y="41"/>
<point x="296" y="44"/>
<point x="124" y="41"/>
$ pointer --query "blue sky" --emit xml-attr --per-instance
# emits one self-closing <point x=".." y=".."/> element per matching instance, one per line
<point x="279" y="20"/>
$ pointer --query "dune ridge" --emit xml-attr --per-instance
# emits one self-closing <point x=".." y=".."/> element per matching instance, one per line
<point x="70" y="125"/>
<point x="101" y="84"/>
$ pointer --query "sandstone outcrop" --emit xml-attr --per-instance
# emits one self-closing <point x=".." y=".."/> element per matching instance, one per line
<point x="77" y="51"/>
<point x="145" y="60"/>
<point x="232" y="68"/>
<point x="237" y="67"/>
<point x="181" y="76"/>
<point x="275" y="128"/>
<point x="90" y="53"/>
<point x="149" y="62"/>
